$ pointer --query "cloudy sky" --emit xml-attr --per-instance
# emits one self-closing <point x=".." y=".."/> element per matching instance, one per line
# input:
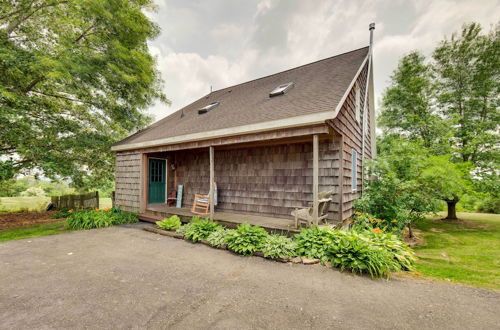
<point x="224" y="42"/>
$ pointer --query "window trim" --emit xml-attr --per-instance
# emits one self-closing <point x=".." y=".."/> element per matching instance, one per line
<point x="354" y="170"/>
<point x="357" y="102"/>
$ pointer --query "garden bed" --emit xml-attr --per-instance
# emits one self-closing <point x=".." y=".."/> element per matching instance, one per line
<point x="25" y="219"/>
<point x="361" y="249"/>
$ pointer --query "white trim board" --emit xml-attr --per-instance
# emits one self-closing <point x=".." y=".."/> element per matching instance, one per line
<point x="310" y="119"/>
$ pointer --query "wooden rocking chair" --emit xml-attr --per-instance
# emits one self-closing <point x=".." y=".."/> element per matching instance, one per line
<point x="306" y="214"/>
<point x="201" y="204"/>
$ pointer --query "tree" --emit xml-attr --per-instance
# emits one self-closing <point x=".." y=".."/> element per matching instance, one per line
<point x="446" y="181"/>
<point x="467" y="67"/>
<point x="395" y="191"/>
<point x="408" y="104"/>
<point x="76" y="77"/>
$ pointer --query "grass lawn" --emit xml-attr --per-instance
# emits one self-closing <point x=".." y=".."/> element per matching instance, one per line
<point x="33" y="231"/>
<point x="466" y="251"/>
<point x="13" y="204"/>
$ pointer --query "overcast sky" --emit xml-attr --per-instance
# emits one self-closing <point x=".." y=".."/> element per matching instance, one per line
<point x="225" y="42"/>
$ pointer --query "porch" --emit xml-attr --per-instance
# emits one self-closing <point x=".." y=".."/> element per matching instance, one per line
<point x="156" y="212"/>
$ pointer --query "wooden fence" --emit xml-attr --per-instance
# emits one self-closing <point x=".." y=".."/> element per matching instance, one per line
<point x="84" y="201"/>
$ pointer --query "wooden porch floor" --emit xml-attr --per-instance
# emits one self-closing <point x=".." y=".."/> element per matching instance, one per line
<point x="155" y="212"/>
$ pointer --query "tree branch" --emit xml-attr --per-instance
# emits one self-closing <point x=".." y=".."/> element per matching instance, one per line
<point x="84" y="33"/>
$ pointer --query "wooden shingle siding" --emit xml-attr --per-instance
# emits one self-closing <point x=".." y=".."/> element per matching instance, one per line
<point x="128" y="180"/>
<point x="346" y="124"/>
<point x="268" y="180"/>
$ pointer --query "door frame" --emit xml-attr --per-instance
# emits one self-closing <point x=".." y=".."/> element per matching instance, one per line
<point x="147" y="179"/>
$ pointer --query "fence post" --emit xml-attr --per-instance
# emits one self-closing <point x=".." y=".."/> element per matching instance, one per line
<point x="112" y="199"/>
<point x="97" y="198"/>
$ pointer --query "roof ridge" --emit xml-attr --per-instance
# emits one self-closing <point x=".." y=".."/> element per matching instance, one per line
<point x="280" y="72"/>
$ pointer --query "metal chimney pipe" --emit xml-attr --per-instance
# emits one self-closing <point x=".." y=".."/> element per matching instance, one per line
<point x="371" y="27"/>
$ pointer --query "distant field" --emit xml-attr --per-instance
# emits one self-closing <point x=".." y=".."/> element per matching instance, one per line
<point x="13" y="204"/>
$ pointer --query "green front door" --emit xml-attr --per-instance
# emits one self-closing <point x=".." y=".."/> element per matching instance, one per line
<point x="157" y="179"/>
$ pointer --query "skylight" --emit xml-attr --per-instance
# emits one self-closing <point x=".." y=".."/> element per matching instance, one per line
<point x="281" y="89"/>
<point x="208" y="108"/>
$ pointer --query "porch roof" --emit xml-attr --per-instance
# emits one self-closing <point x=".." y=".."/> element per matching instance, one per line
<point x="319" y="91"/>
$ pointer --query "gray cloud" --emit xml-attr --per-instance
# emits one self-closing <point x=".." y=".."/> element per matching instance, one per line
<point x="224" y="42"/>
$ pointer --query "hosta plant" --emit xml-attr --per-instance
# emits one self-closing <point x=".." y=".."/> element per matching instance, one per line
<point x="218" y="237"/>
<point x="401" y="253"/>
<point x="277" y="246"/>
<point x="88" y="219"/>
<point x="200" y="229"/>
<point x="246" y="239"/>
<point x="357" y="253"/>
<point x="313" y="242"/>
<point x="171" y="223"/>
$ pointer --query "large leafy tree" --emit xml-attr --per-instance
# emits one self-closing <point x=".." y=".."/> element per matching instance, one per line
<point x="467" y="67"/>
<point x="76" y="77"/>
<point x="409" y="106"/>
<point x="450" y="106"/>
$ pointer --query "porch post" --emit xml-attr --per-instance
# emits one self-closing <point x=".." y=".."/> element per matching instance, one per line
<point x="212" y="180"/>
<point x="315" y="177"/>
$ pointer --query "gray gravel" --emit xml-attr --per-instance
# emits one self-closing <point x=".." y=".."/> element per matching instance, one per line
<point x="124" y="277"/>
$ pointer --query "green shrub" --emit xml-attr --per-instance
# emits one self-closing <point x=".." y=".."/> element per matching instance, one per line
<point x="173" y="222"/>
<point x="366" y="222"/>
<point x="277" y="246"/>
<point x="88" y="219"/>
<point x="184" y="228"/>
<point x="357" y="253"/>
<point x="200" y="229"/>
<point x="246" y="239"/>
<point x="401" y="253"/>
<point x="313" y="242"/>
<point x="63" y="213"/>
<point x="218" y="237"/>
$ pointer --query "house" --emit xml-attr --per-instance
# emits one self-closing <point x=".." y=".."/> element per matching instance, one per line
<point x="267" y="145"/>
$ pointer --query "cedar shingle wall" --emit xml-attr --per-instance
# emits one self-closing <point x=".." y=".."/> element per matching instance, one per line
<point x="346" y="124"/>
<point x="263" y="180"/>
<point x="128" y="180"/>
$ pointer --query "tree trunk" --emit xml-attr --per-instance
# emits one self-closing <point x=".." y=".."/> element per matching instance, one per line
<point x="410" y="231"/>
<point x="452" y="210"/>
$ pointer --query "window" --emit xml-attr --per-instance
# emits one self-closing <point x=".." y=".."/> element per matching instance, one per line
<point x="357" y="97"/>
<point x="281" y="89"/>
<point x="208" y="108"/>
<point x="354" y="170"/>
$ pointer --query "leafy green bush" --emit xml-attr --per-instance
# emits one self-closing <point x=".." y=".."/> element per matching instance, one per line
<point x="277" y="246"/>
<point x="200" y="229"/>
<point x="246" y="239"/>
<point x="184" y="228"/>
<point x="364" y="221"/>
<point x="88" y="219"/>
<point x="401" y="253"/>
<point x="218" y="237"/>
<point x="63" y="213"/>
<point x="357" y="253"/>
<point x="173" y="222"/>
<point x="313" y="242"/>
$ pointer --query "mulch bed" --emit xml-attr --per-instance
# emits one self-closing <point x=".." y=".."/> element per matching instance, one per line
<point x="18" y="220"/>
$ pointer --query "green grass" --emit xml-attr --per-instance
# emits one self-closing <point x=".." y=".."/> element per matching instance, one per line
<point x="466" y="251"/>
<point x="14" y="204"/>
<point x="45" y="229"/>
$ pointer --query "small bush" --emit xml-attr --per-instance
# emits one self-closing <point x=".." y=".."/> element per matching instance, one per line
<point x="63" y="213"/>
<point x="200" y="229"/>
<point x="218" y="237"/>
<point x="277" y="246"/>
<point x="88" y="219"/>
<point x="184" y="228"/>
<point x="171" y="223"/>
<point x="246" y="239"/>
<point x="357" y="253"/>
<point x="401" y="253"/>
<point x="313" y="242"/>
<point x="366" y="222"/>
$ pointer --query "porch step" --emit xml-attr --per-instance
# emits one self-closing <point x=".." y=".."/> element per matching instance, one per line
<point x="150" y="217"/>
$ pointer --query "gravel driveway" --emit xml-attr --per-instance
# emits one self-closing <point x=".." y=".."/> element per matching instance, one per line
<point x="124" y="277"/>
